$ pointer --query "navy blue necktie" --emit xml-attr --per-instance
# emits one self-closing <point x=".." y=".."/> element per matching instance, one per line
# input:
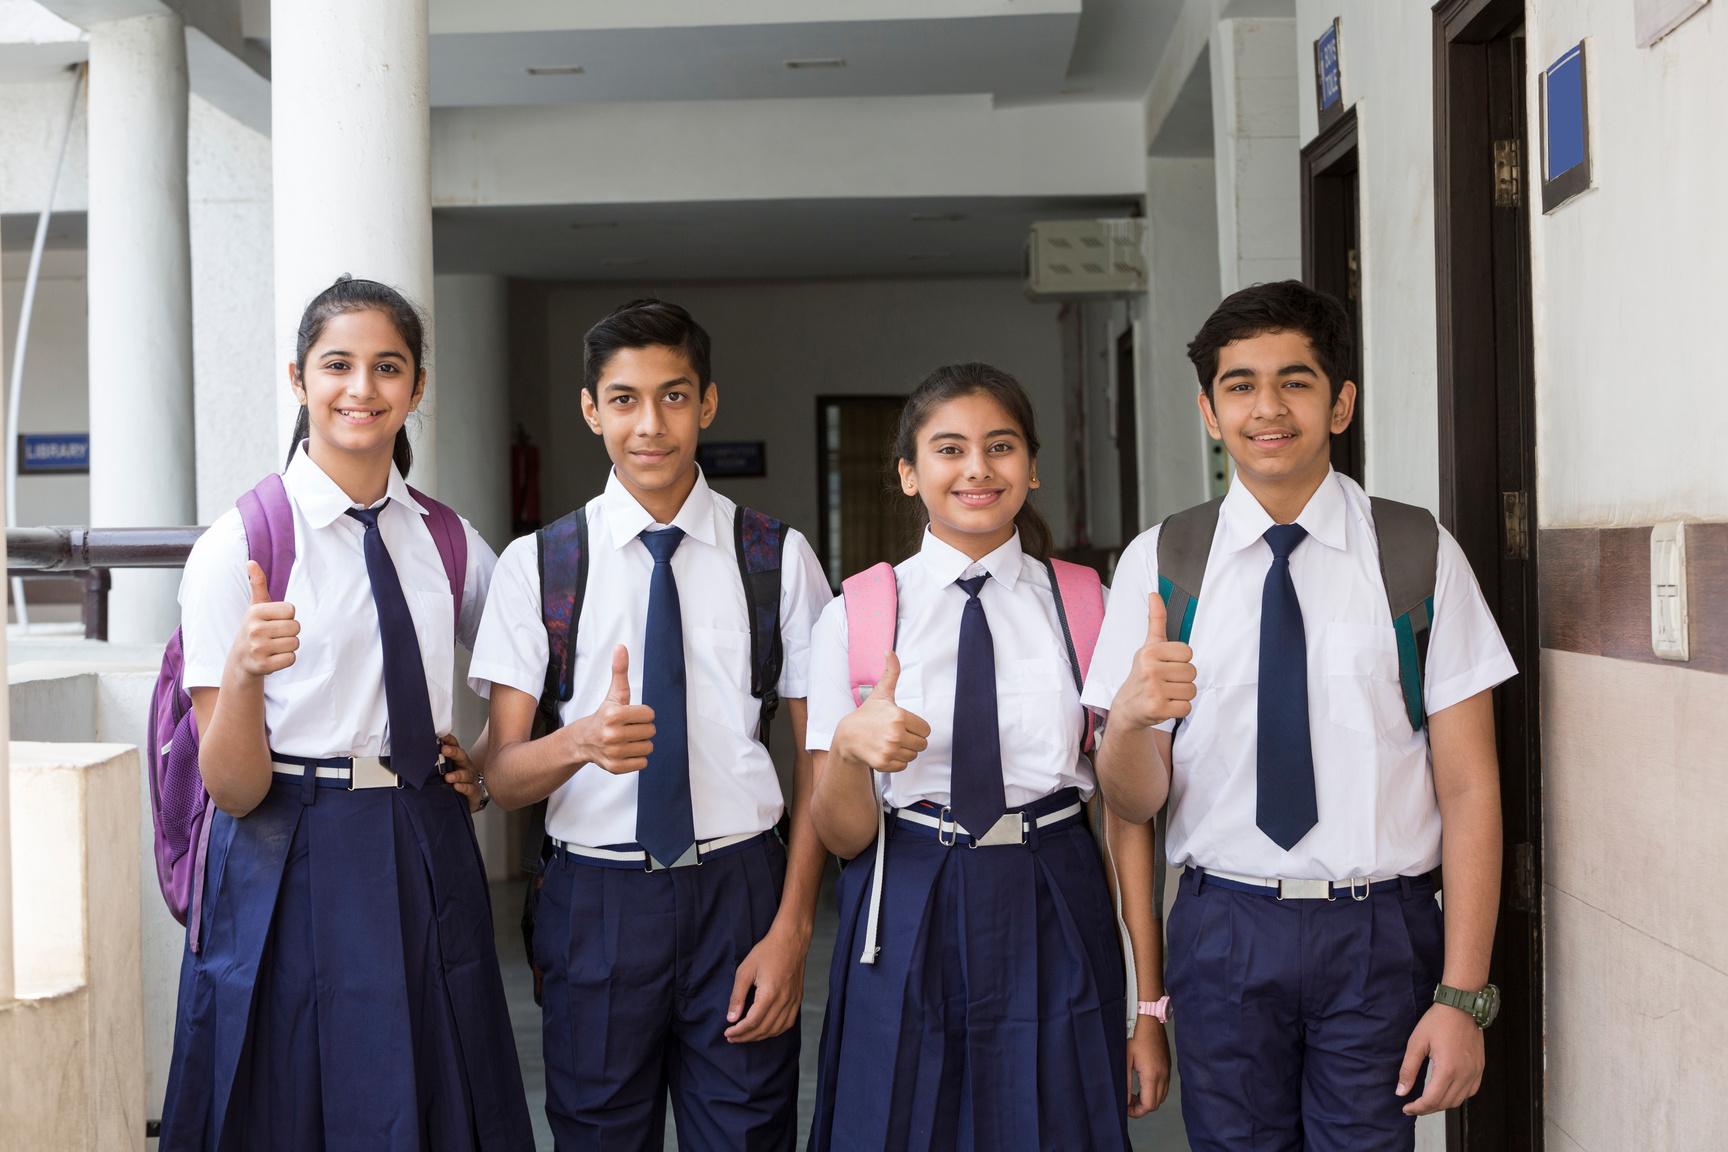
<point x="664" y="824"/>
<point x="413" y="738"/>
<point x="975" y="790"/>
<point x="1285" y="806"/>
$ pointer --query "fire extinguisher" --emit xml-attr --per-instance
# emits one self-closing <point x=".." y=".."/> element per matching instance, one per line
<point x="524" y="484"/>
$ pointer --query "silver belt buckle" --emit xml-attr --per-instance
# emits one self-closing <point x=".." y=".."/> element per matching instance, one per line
<point x="947" y="828"/>
<point x="369" y="772"/>
<point x="690" y="858"/>
<point x="1304" y="889"/>
<point x="1009" y="829"/>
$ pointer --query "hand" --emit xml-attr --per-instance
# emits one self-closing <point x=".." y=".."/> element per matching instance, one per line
<point x="1449" y="1037"/>
<point x="464" y="776"/>
<point x="619" y="735"/>
<point x="268" y="634"/>
<point x="775" y="968"/>
<point x="880" y="734"/>
<point x="1160" y="680"/>
<point x="1149" y="1055"/>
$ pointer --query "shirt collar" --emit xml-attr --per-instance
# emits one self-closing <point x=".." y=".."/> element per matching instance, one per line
<point x="1244" y="521"/>
<point x="323" y="502"/>
<point x="628" y="519"/>
<point x="948" y="564"/>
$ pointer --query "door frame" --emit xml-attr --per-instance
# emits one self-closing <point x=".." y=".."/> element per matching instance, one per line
<point x="1325" y="158"/>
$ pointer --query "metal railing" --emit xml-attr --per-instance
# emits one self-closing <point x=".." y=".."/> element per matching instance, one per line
<point x="90" y="553"/>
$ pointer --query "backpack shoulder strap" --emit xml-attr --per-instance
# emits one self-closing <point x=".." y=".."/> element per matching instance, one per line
<point x="563" y="549"/>
<point x="1079" y="595"/>
<point x="452" y="541"/>
<point x="872" y="611"/>
<point x="1409" y="540"/>
<point x="268" y="519"/>
<point x="760" y="541"/>
<point x="1184" y="546"/>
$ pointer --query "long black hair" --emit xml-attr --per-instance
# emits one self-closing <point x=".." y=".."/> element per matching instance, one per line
<point x="350" y="295"/>
<point x="951" y="382"/>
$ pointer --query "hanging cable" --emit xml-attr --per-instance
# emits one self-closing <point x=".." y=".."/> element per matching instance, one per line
<point x="25" y="309"/>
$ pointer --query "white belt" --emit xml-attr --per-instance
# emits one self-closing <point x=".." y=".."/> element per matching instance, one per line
<point x="363" y="772"/>
<point x="1359" y="887"/>
<point x="692" y="855"/>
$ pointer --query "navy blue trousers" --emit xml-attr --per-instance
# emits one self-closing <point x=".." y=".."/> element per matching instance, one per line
<point x="347" y="993"/>
<point x="1292" y="1016"/>
<point x="639" y="968"/>
<point x="993" y="1019"/>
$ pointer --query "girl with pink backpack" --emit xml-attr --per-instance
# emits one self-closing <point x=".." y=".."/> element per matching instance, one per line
<point x="978" y="998"/>
<point x="339" y="986"/>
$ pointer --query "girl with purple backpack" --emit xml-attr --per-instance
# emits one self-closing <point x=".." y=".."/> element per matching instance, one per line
<point x="978" y="998"/>
<point x="340" y="986"/>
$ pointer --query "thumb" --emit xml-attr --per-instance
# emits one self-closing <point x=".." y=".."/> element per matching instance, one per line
<point x="1157" y="616"/>
<point x="890" y="677"/>
<point x="1415" y="1054"/>
<point x="619" y="693"/>
<point x="260" y="587"/>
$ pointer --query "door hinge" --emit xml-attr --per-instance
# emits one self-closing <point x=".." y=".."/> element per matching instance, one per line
<point x="1515" y="512"/>
<point x="1507" y="167"/>
<point x="1523" y="893"/>
<point x="1355" y="264"/>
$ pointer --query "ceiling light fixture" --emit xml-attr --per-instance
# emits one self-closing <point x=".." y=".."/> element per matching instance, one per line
<point x="563" y="70"/>
<point x="817" y="62"/>
<point x="937" y="217"/>
<point x="931" y="256"/>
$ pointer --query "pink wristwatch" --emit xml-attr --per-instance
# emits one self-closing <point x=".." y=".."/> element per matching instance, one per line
<point x="1158" y="1009"/>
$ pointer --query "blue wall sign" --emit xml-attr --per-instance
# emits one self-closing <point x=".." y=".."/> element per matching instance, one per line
<point x="1565" y="93"/>
<point x="1326" y="68"/>
<point x="733" y="458"/>
<point x="54" y="452"/>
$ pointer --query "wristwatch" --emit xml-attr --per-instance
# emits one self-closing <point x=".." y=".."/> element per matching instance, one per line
<point x="485" y="796"/>
<point x="1482" y="1006"/>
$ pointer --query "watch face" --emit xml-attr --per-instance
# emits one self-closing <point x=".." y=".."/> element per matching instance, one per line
<point x="1487" y="1005"/>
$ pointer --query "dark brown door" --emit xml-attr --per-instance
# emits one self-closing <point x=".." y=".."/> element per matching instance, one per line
<point x="1127" y="440"/>
<point x="863" y="519"/>
<point x="1332" y="255"/>
<point x="1487" y="494"/>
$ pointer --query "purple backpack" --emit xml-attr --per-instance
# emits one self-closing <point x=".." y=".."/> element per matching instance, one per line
<point x="179" y="807"/>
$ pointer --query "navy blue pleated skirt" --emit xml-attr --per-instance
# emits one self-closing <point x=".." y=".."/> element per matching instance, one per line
<point x="347" y="994"/>
<point x="993" y="1019"/>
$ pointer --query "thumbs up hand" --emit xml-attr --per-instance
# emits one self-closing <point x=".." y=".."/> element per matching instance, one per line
<point x="619" y="735"/>
<point x="268" y="634"/>
<point x="879" y="734"/>
<point x="1160" y="680"/>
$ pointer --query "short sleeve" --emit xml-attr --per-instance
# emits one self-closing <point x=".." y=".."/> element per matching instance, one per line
<point x="830" y="696"/>
<point x="214" y="596"/>
<point x="481" y="561"/>
<point x="510" y="647"/>
<point x="1124" y="623"/>
<point x="804" y="593"/>
<point x="1466" y="653"/>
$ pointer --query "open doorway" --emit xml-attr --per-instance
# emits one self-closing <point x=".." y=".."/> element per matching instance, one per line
<point x="859" y="524"/>
<point x="1487" y="494"/>
<point x="1332" y="255"/>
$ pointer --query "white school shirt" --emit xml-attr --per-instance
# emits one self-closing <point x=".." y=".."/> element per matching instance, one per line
<point x="330" y="701"/>
<point x="1037" y="704"/>
<point x="1373" y="778"/>
<point x="733" y="786"/>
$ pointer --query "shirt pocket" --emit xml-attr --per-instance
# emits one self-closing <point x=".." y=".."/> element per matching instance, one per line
<point x="1034" y="701"/>
<point x="1363" y="692"/>
<point x="434" y="628"/>
<point x="717" y="666"/>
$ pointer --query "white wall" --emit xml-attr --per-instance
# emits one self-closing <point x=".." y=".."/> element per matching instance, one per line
<point x="1254" y="144"/>
<point x="32" y="117"/>
<point x="56" y="398"/>
<point x="779" y="344"/>
<point x="1386" y="67"/>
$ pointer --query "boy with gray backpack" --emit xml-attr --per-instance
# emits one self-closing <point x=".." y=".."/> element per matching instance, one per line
<point x="1304" y="675"/>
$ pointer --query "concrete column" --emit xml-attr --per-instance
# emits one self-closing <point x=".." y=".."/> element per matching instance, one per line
<point x="1254" y="140"/>
<point x="140" y="304"/>
<point x="351" y="158"/>
<point x="474" y="464"/>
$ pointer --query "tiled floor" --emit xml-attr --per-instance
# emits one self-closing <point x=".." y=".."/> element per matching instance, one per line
<point x="1159" y="1132"/>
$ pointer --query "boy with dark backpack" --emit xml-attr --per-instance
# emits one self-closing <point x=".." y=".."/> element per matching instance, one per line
<point x="651" y="634"/>
<point x="1305" y="674"/>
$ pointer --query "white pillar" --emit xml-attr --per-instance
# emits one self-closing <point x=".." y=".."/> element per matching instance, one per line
<point x="351" y="156"/>
<point x="1258" y="162"/>
<point x="140" y="286"/>
<point x="8" y="985"/>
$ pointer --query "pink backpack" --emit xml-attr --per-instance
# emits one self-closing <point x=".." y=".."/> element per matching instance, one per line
<point x="180" y="809"/>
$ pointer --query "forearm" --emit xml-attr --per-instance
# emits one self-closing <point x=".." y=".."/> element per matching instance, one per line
<point x="805" y="855"/>
<point x="234" y="747"/>
<point x="523" y="772"/>
<point x="843" y="804"/>
<point x="1135" y="858"/>
<point x="1133" y="772"/>
<point x="1467" y="787"/>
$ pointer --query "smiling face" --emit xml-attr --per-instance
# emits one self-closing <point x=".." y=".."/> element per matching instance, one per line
<point x="650" y="408"/>
<point x="973" y="472"/>
<point x="1272" y="407"/>
<point x="358" y="385"/>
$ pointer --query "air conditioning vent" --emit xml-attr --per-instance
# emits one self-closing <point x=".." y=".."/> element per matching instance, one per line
<point x="1114" y="262"/>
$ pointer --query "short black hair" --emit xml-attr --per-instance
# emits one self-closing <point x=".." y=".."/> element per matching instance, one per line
<point x="1282" y="306"/>
<point x="645" y="323"/>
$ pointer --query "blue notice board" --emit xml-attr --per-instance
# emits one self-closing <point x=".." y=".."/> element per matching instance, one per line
<point x="54" y="452"/>
<point x="733" y="458"/>
<point x="1326" y="68"/>
<point x="1565" y="129"/>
